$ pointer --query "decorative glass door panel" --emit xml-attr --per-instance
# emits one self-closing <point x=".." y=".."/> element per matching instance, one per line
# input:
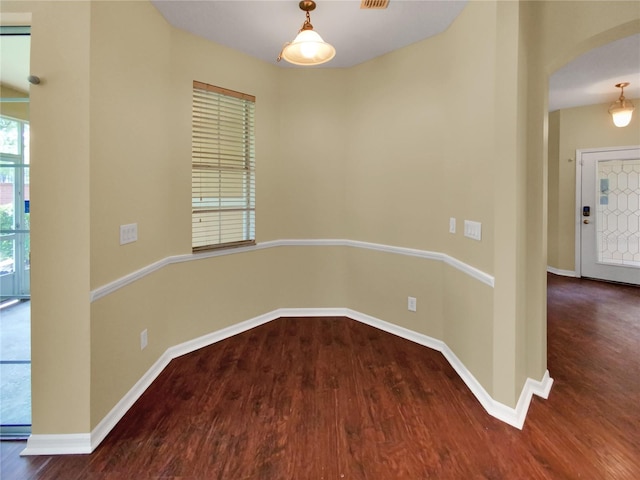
<point x="618" y="212"/>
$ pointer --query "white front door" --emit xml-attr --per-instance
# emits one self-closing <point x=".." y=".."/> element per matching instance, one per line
<point x="608" y="214"/>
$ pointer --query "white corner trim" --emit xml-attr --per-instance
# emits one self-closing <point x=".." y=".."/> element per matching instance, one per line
<point x="540" y="388"/>
<point x="532" y="387"/>
<point x="73" y="443"/>
<point x="557" y="271"/>
<point x="516" y="416"/>
<point x="86" y="443"/>
<point x="411" y="252"/>
<point x="127" y="279"/>
<point x="471" y="271"/>
<point x="111" y="287"/>
<point x="121" y="282"/>
<point x="454" y="262"/>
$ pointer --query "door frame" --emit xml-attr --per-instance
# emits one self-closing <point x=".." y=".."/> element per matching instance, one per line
<point x="578" y="210"/>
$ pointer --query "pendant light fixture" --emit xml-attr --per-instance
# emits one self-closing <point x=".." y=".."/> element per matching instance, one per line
<point x="622" y="109"/>
<point x="307" y="48"/>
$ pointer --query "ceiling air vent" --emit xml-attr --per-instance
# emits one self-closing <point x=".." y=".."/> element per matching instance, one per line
<point x="374" y="4"/>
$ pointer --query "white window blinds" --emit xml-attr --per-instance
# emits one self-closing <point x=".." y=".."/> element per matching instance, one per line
<point x="223" y="168"/>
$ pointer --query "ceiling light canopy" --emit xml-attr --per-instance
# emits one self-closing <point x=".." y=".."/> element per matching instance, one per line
<point x="307" y="48"/>
<point x="622" y="109"/>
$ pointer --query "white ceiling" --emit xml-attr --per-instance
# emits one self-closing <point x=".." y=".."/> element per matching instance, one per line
<point x="260" y="28"/>
<point x="591" y="78"/>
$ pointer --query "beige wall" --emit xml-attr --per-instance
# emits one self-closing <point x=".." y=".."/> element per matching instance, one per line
<point x="408" y="168"/>
<point x="148" y="73"/>
<point x="378" y="284"/>
<point x="313" y="138"/>
<point x="380" y="156"/>
<point x="576" y="128"/>
<point x="188" y="300"/>
<point x="414" y="161"/>
<point x="509" y="203"/>
<point x="130" y="138"/>
<point x="60" y="216"/>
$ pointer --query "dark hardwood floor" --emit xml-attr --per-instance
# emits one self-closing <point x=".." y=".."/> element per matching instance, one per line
<point x="330" y="398"/>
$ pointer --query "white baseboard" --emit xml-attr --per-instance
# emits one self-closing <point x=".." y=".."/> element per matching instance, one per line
<point x="117" y="412"/>
<point x="86" y="443"/>
<point x="65" y="444"/>
<point x="564" y="273"/>
<point x="513" y="416"/>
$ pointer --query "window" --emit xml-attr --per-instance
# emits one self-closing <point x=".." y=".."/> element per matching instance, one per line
<point x="223" y="168"/>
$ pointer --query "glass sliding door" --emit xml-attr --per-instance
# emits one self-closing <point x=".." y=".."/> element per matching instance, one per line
<point x="15" y="328"/>
<point x="14" y="209"/>
<point x="15" y="245"/>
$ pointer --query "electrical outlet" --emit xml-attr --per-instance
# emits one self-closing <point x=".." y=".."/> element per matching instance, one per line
<point x="452" y="225"/>
<point x="411" y="304"/>
<point x="128" y="233"/>
<point x="143" y="339"/>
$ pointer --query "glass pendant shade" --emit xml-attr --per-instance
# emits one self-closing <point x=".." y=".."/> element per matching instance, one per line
<point x="621" y="113"/>
<point x="622" y="109"/>
<point x="308" y="48"/>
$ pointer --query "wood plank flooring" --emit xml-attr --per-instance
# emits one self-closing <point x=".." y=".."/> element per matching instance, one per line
<point x="330" y="398"/>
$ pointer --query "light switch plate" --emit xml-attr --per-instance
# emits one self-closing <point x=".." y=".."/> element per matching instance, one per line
<point x="128" y="233"/>
<point x="411" y="304"/>
<point x="473" y="230"/>
<point x="452" y="225"/>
